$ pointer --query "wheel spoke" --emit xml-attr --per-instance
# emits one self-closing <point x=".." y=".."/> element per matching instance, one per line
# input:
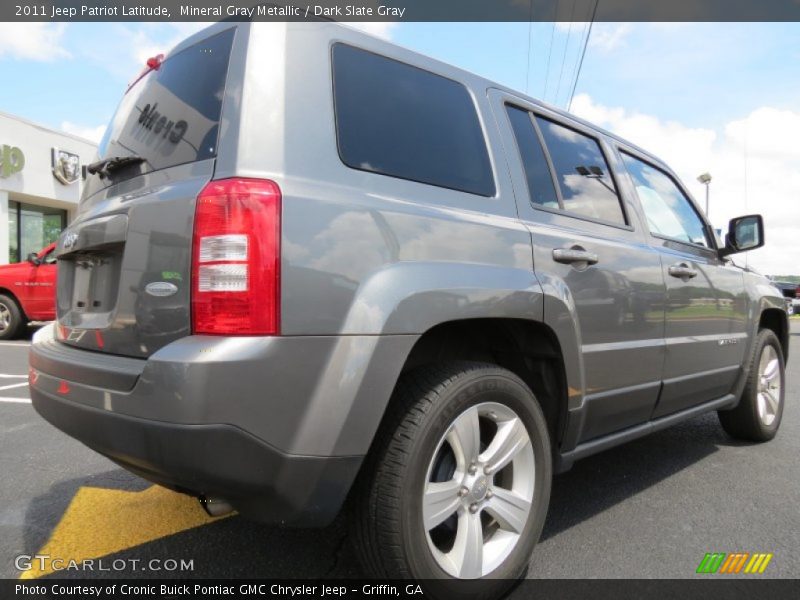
<point x="771" y="401"/>
<point x="509" y="509"/>
<point x="464" y="438"/>
<point x="511" y="437"/>
<point x="772" y="370"/>
<point x="441" y="500"/>
<point x="467" y="552"/>
<point x="761" y="405"/>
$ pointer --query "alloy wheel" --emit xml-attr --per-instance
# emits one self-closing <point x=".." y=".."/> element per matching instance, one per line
<point x="5" y="317"/>
<point x="479" y="490"/>
<point x="770" y="385"/>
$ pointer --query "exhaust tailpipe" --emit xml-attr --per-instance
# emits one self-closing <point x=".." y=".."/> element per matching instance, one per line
<point x="215" y="507"/>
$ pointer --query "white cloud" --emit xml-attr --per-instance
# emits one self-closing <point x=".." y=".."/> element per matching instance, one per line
<point x="33" y="41"/>
<point x="609" y="36"/>
<point x="754" y="162"/>
<point x="90" y="133"/>
<point x="605" y="36"/>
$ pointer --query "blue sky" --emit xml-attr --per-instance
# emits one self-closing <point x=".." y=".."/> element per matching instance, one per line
<point x="704" y="96"/>
<point x="698" y="74"/>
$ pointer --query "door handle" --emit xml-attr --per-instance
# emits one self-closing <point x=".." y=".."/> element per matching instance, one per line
<point x="575" y="254"/>
<point x="682" y="270"/>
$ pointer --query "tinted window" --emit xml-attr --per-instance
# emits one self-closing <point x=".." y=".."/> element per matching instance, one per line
<point x="395" y="119"/>
<point x="171" y="115"/>
<point x="668" y="211"/>
<point x="587" y="187"/>
<point x="540" y="182"/>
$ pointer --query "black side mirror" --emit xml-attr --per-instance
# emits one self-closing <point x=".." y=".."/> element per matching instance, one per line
<point x="34" y="259"/>
<point x="744" y="233"/>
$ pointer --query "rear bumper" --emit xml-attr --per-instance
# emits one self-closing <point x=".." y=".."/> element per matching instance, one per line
<point x="276" y="426"/>
<point x="213" y="460"/>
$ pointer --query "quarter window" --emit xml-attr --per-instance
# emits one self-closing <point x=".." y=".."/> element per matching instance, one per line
<point x="583" y="175"/>
<point x="398" y="120"/>
<point x="669" y="212"/>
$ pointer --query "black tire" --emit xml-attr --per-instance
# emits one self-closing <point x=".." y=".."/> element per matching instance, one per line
<point x="10" y="311"/>
<point x="387" y="500"/>
<point x="744" y="422"/>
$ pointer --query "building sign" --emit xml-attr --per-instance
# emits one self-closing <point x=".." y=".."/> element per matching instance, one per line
<point x="66" y="166"/>
<point x="12" y="160"/>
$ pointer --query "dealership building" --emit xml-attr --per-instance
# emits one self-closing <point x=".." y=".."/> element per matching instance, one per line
<point x="41" y="178"/>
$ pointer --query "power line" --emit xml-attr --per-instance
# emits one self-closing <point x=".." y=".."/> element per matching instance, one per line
<point x="550" y="50"/>
<point x="581" y="44"/>
<point x="530" y="28"/>
<point x="566" y="45"/>
<point x="583" y="55"/>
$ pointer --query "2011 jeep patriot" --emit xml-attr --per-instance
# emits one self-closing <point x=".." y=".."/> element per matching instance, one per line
<point x="309" y="260"/>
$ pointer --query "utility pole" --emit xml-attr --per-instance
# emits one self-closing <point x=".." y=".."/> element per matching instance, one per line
<point x="705" y="179"/>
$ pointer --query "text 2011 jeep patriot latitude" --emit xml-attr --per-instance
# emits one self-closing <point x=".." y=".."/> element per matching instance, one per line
<point x="308" y="261"/>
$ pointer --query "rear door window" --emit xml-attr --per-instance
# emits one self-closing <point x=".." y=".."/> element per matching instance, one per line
<point x="402" y="121"/>
<point x="171" y="115"/>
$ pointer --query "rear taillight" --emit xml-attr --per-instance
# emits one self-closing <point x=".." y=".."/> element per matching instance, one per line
<point x="236" y="258"/>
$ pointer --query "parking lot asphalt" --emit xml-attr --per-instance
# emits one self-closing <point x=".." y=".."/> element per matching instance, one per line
<point x="651" y="508"/>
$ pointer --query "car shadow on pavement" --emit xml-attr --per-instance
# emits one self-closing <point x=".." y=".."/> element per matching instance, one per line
<point x="598" y="482"/>
<point x="226" y="547"/>
<point x="235" y="547"/>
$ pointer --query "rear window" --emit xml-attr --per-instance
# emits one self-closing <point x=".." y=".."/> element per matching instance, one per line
<point x="171" y="115"/>
<point x="401" y="121"/>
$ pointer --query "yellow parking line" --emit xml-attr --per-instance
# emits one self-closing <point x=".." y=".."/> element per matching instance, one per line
<point x="99" y="522"/>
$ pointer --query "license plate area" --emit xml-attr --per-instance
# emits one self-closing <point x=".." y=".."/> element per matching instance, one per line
<point x="88" y="285"/>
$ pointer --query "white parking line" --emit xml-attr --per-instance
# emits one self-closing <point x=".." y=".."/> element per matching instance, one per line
<point x="4" y="376"/>
<point x="12" y="386"/>
<point x="15" y="343"/>
<point x="15" y="400"/>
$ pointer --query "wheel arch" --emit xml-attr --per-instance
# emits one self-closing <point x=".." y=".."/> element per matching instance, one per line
<point x="529" y="349"/>
<point x="776" y="320"/>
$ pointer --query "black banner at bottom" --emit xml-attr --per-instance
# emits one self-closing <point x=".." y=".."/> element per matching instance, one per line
<point x="544" y="589"/>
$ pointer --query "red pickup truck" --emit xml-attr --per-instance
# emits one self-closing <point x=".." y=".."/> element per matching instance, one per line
<point x="27" y="292"/>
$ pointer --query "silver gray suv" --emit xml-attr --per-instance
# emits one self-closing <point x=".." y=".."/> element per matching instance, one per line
<point x="310" y="266"/>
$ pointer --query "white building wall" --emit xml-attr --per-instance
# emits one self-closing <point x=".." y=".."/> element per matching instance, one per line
<point x="3" y="227"/>
<point x="35" y="183"/>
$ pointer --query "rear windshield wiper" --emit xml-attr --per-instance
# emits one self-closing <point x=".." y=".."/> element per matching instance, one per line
<point x="105" y="166"/>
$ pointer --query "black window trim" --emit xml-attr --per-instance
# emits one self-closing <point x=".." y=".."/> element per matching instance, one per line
<point x="709" y="233"/>
<point x="495" y="191"/>
<point x="533" y="112"/>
